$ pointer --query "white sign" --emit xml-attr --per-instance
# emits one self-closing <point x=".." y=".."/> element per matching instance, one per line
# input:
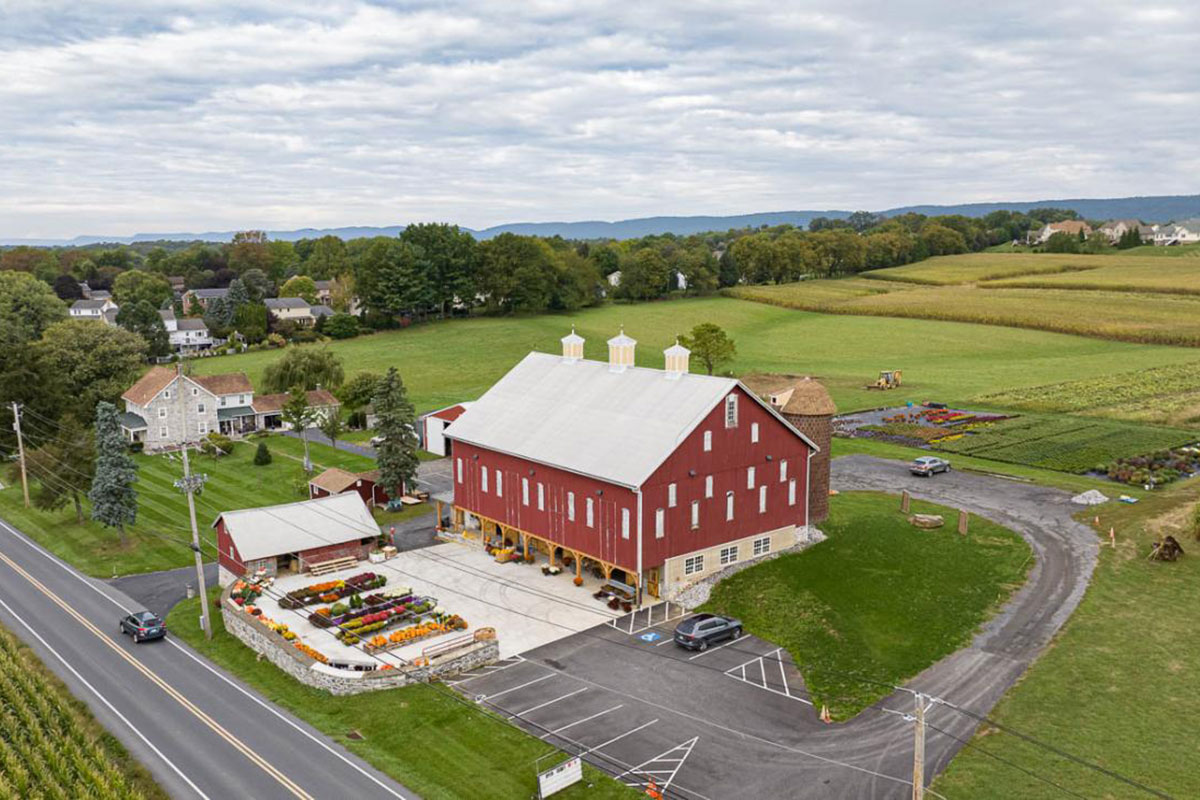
<point x="560" y="777"/>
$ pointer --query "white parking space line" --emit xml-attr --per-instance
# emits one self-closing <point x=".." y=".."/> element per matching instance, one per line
<point x="671" y="762"/>
<point x="740" y="673"/>
<point x="489" y="669"/>
<point x="618" y="738"/>
<point x="714" y="649"/>
<point x="490" y="697"/>
<point x="548" y="703"/>
<point x="580" y="721"/>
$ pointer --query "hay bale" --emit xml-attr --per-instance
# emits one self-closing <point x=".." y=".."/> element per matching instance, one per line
<point x="926" y="520"/>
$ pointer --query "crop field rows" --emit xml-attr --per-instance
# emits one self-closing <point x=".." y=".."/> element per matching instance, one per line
<point x="1067" y="444"/>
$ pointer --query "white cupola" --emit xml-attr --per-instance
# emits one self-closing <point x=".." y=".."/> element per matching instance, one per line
<point x="572" y="345"/>
<point x="677" y="360"/>
<point x="620" y="352"/>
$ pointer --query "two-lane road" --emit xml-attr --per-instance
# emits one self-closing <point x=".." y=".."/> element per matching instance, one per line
<point x="201" y="732"/>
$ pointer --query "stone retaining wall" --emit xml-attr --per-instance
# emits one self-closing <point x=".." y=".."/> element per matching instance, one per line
<point x="696" y="594"/>
<point x="280" y="652"/>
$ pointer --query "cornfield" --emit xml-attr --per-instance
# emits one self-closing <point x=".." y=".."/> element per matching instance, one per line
<point x="49" y="748"/>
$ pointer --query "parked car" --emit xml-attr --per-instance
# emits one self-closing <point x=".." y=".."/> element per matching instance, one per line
<point x="376" y="441"/>
<point x="929" y="465"/>
<point x="698" y="632"/>
<point x="143" y="625"/>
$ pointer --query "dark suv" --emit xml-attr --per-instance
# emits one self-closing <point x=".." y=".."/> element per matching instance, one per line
<point x="698" y="632"/>
<point x="143" y="625"/>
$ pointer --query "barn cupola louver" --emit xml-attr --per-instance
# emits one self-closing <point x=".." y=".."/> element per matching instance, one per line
<point x="677" y="357"/>
<point x="620" y="352"/>
<point x="572" y="346"/>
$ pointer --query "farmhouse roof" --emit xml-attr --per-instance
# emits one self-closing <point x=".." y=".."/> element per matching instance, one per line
<point x="90" y="304"/>
<point x="583" y="417"/>
<point x="335" y="480"/>
<point x="320" y="311"/>
<point x="295" y="527"/>
<point x="149" y="385"/>
<point x="110" y="315"/>
<point x="271" y="403"/>
<point x="166" y="314"/>
<point x="131" y="421"/>
<point x="191" y="324"/>
<point x="285" y="302"/>
<point x="226" y="383"/>
<point x="1128" y="223"/>
<point x="1070" y="226"/>
<point x="792" y="394"/>
<point x="210" y="294"/>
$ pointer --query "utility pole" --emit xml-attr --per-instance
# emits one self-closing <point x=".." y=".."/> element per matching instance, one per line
<point x="21" y="450"/>
<point x="190" y="484"/>
<point x="918" y="783"/>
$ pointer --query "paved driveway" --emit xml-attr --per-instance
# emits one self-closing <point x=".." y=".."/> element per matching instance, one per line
<point x="736" y="720"/>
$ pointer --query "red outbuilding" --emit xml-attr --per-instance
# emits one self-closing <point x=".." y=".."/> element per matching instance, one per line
<point x="657" y="478"/>
<point x="336" y="481"/>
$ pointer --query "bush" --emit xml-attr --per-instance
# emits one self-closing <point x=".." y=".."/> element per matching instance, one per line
<point x="341" y="326"/>
<point x="137" y="447"/>
<point x="305" y="335"/>
<point x="262" y="456"/>
<point x="275" y="340"/>
<point x="216" y="444"/>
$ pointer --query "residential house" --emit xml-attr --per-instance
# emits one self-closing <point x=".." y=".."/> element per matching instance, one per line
<point x="166" y="409"/>
<point x="318" y="312"/>
<point x="324" y="291"/>
<point x="1173" y="233"/>
<point x="653" y="478"/>
<point x="1072" y="227"/>
<point x="290" y="309"/>
<point x="202" y="297"/>
<point x="268" y="408"/>
<point x="187" y="335"/>
<point x="1116" y="228"/>
<point x="178" y="284"/>
<point x="101" y="310"/>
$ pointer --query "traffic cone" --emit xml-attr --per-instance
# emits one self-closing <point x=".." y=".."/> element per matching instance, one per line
<point x="825" y="716"/>
<point x="652" y="790"/>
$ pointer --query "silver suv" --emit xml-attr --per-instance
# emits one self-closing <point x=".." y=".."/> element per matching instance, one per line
<point x="698" y="632"/>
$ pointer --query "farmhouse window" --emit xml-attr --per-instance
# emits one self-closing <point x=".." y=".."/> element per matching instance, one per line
<point x="571" y="506"/>
<point x="203" y="428"/>
<point x="729" y="506"/>
<point x="693" y="565"/>
<point x="695" y="514"/>
<point x="731" y="411"/>
<point x="162" y="413"/>
<point x="166" y="394"/>
<point x="162" y="432"/>
<point x="525" y="491"/>
<point x="591" y="513"/>
<point x="749" y="477"/>
<point x="483" y="481"/>
<point x="792" y="492"/>
<point x="783" y="470"/>
<point x="762" y="546"/>
<point x="624" y="523"/>
<point x="729" y="554"/>
<point x="199" y="408"/>
<point x="670" y="495"/>
<point x="195" y="392"/>
<point x="660" y="521"/>
<point x="754" y="433"/>
<point x="458" y="466"/>
<point x="708" y="485"/>
<point x="499" y="484"/>
<point x="762" y="499"/>
<point x="707" y="441"/>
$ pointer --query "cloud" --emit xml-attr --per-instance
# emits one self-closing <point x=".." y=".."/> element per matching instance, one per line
<point x="139" y="116"/>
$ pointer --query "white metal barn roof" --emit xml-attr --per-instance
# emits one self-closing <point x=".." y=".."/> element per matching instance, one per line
<point x="583" y="417"/>
<point x="292" y="527"/>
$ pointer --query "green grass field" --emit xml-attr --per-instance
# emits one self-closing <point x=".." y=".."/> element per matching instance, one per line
<point x="1118" y="687"/>
<point x="445" y="362"/>
<point x="159" y="539"/>
<point x="1065" y="443"/>
<point x="50" y="744"/>
<point x="859" y="604"/>
<point x="441" y="747"/>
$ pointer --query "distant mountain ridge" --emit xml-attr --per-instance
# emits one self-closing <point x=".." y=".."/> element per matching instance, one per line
<point x="1161" y="208"/>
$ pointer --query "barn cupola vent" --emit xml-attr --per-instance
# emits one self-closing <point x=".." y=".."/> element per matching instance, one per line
<point x="677" y="360"/>
<point x="620" y="352"/>
<point x="572" y="345"/>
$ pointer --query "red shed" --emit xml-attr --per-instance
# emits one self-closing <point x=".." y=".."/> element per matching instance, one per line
<point x="293" y="536"/>
<point x="660" y="476"/>
<point x="336" y="481"/>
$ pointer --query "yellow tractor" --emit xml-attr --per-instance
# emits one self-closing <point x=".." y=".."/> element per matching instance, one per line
<point x="887" y="380"/>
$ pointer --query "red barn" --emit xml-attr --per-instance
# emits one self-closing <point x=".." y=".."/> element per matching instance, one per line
<point x="294" y="536"/>
<point x="655" y="477"/>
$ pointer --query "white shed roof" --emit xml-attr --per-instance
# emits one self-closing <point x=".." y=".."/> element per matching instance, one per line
<point x="582" y="417"/>
<point x="292" y="527"/>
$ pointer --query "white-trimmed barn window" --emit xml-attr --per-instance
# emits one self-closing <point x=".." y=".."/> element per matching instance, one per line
<point x="708" y="486"/>
<point x="483" y="478"/>
<point x="708" y="441"/>
<point x="624" y="523"/>
<point x="695" y="514"/>
<point x="591" y="513"/>
<point x="729" y="506"/>
<point x="693" y="565"/>
<point x="783" y="470"/>
<point x="524" y="491"/>
<point x="754" y="433"/>
<point x="670" y="495"/>
<point x="459" y="468"/>
<point x="660" y="523"/>
<point x="792" y="492"/>
<point x="731" y="411"/>
<point x="571" y="506"/>
<point x="762" y="499"/>
<point x="541" y="496"/>
<point x="499" y="484"/>
<point x="749" y="477"/>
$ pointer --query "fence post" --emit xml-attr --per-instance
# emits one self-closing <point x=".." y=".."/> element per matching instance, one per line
<point x="904" y="501"/>
<point x="962" y="522"/>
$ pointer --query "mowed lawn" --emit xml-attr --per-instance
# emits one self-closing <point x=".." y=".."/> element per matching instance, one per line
<point x="1119" y="686"/>
<point x="879" y="599"/>
<point x="160" y="538"/>
<point x="436" y="743"/>
<point x="446" y="362"/>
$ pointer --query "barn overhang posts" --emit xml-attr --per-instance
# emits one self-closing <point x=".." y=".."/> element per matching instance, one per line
<point x="653" y="478"/>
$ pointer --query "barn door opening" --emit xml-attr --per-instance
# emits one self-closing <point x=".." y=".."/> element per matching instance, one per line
<point x="652" y="582"/>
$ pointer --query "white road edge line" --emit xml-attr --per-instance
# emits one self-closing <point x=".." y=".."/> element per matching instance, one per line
<point x="548" y="703"/>
<point x="103" y="699"/>
<point x="268" y="706"/>
<point x="578" y="721"/>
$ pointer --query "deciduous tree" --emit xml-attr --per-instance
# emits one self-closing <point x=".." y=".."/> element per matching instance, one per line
<point x="300" y="286"/>
<point x="308" y="367"/>
<point x="709" y="343"/>
<point x="144" y="320"/>
<point x="135" y="286"/>
<point x="93" y="362"/>
<point x="63" y="467"/>
<point x="299" y="415"/>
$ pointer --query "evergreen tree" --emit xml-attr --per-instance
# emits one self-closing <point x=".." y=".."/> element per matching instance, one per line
<point x="114" y="500"/>
<point x="219" y="316"/>
<point x="397" y="453"/>
<point x="144" y="320"/>
<point x="238" y="294"/>
<point x="262" y="456"/>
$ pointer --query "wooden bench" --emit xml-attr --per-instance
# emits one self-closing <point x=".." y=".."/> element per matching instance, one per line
<point x="320" y="568"/>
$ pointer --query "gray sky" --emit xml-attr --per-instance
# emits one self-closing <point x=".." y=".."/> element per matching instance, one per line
<point x="139" y="115"/>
